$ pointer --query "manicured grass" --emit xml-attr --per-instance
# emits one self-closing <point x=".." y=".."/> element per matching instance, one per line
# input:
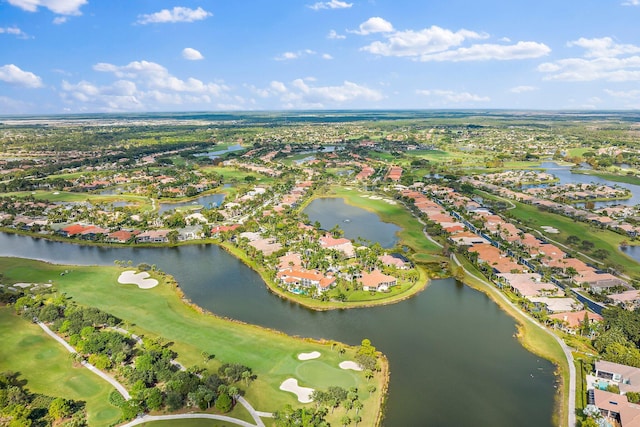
<point x="608" y="240"/>
<point x="67" y="196"/>
<point x="191" y="423"/>
<point x="161" y="312"/>
<point x="48" y="369"/>
<point x="231" y="174"/>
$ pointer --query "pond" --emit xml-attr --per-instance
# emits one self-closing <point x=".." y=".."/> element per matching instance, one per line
<point x="564" y="174"/>
<point x="354" y="221"/>
<point x="452" y="351"/>
<point x="632" y="251"/>
<point x="208" y="201"/>
<point x="215" y="154"/>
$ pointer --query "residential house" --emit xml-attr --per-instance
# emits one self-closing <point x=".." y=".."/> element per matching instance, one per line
<point x="376" y="281"/>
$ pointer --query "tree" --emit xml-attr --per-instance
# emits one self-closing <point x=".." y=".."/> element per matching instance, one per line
<point x="60" y="408"/>
<point x="357" y="419"/>
<point x="345" y="420"/>
<point x="224" y="403"/>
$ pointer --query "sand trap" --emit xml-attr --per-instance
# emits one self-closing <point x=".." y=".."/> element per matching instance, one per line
<point x="22" y="285"/>
<point x="309" y="356"/>
<point x="549" y="229"/>
<point x="348" y="364"/>
<point x="375" y="198"/>
<point x="140" y="279"/>
<point x="303" y="393"/>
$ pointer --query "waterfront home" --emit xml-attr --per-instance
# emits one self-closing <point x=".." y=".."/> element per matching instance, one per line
<point x="296" y="278"/>
<point x="616" y="409"/>
<point x="625" y="377"/>
<point x="267" y="246"/>
<point x="153" y="236"/>
<point x="289" y="260"/>
<point x="572" y="320"/>
<point x="376" y="281"/>
<point x="121" y="236"/>
<point x="390" y="260"/>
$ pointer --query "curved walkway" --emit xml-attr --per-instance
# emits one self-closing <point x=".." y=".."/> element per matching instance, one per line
<point x="123" y="391"/>
<point x="149" y="418"/>
<point x="571" y="416"/>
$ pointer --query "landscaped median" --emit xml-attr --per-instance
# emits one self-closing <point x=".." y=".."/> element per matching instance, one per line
<point x="160" y="312"/>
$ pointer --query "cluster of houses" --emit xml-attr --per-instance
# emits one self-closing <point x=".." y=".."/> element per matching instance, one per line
<point x="394" y="173"/>
<point x="494" y="245"/>
<point x="295" y="278"/>
<point x="518" y="177"/>
<point x="617" y="224"/>
<point x="579" y="192"/>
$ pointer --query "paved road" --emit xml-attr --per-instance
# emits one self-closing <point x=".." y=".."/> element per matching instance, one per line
<point x="123" y="391"/>
<point x="571" y="416"/>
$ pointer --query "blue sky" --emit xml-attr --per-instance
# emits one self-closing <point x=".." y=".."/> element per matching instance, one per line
<point x="76" y="56"/>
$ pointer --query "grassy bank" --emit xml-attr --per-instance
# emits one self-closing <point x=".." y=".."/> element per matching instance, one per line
<point x="160" y="312"/>
<point x="49" y="370"/>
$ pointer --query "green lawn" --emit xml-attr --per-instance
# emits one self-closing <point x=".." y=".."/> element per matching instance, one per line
<point x="67" y="196"/>
<point x="48" y="369"/>
<point x="160" y="312"/>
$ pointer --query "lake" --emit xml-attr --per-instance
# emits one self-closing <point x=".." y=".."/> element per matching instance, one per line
<point x="215" y="154"/>
<point x="632" y="251"/>
<point x="354" y="221"/>
<point x="453" y="356"/>
<point x="208" y="201"/>
<point x="565" y="176"/>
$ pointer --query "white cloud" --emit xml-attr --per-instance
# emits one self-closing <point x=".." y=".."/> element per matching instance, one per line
<point x="486" y="52"/>
<point x="61" y="7"/>
<point x="14" y="31"/>
<point x="333" y="35"/>
<point x="603" y="47"/>
<point x="141" y="86"/>
<point x="451" y="97"/>
<point x="58" y="20"/>
<point x="624" y="94"/>
<point x="603" y="60"/>
<point x="522" y="89"/>
<point x="177" y="14"/>
<point x="157" y="77"/>
<point x="631" y="3"/>
<point x="332" y="4"/>
<point x="374" y="25"/>
<point x="288" y="56"/>
<point x="14" y="75"/>
<point x="326" y="56"/>
<point x="191" y="54"/>
<point x="417" y="43"/>
<point x="302" y="93"/>
<point x="441" y="44"/>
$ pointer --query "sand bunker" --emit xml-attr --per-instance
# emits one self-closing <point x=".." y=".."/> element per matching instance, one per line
<point x="549" y="229"/>
<point x="140" y="279"/>
<point x="303" y="393"/>
<point x="309" y="356"/>
<point x="348" y="364"/>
